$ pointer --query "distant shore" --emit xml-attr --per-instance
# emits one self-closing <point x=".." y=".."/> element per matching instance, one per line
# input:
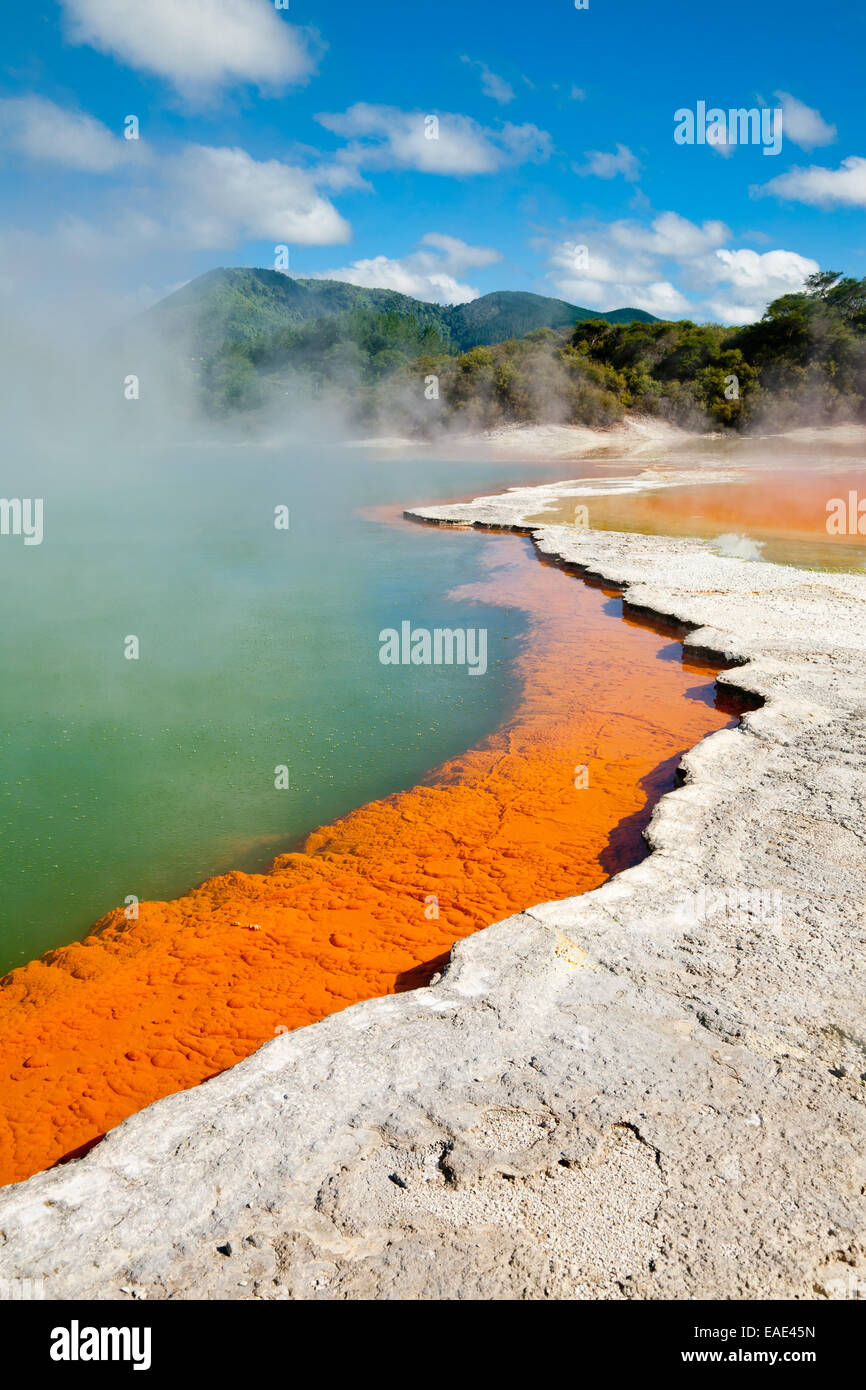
<point x="635" y="435"/>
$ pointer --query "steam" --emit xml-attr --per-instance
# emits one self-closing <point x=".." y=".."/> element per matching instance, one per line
<point x="739" y="547"/>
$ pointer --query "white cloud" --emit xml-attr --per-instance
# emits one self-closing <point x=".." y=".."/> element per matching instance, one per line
<point x="337" y="176"/>
<point x="429" y="272"/>
<point x="674" y="269"/>
<point x="822" y="188"/>
<point x="198" y="198"/>
<point x="670" y="235"/>
<point x="755" y="278"/>
<point x="387" y="138"/>
<point x="609" y="279"/>
<point x="492" y="85"/>
<point x="606" y="284"/>
<point x="383" y="273"/>
<point x="802" y="124"/>
<point x="459" y="254"/>
<point x="726" y="148"/>
<point x="201" y="198"/>
<point x="48" y="133"/>
<point x="771" y="272"/>
<point x="197" y="47"/>
<point x="220" y="195"/>
<point x="524" y="144"/>
<point x="607" y="166"/>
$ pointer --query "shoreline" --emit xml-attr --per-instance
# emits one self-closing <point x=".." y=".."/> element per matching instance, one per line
<point x="662" y="1075"/>
<point x="372" y="902"/>
<point x="633" y="436"/>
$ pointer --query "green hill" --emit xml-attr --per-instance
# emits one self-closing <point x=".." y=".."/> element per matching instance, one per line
<point x="513" y="313"/>
<point x="239" y="305"/>
<point x="243" y="305"/>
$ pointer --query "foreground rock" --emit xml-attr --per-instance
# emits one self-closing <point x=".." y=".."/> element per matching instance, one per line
<point x="655" y="1090"/>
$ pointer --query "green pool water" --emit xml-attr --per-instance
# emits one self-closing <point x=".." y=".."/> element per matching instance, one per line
<point x="258" y="648"/>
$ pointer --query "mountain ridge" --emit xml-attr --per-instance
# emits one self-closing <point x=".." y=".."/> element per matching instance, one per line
<point x="238" y="303"/>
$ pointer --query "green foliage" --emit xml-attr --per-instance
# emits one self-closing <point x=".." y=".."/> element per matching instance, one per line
<point x="809" y="349"/>
<point x="519" y="357"/>
<point x="494" y="318"/>
<point x="230" y="381"/>
<point x="805" y="360"/>
<point x="538" y="377"/>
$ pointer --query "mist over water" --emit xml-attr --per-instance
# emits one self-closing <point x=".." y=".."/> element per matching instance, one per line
<point x="258" y="647"/>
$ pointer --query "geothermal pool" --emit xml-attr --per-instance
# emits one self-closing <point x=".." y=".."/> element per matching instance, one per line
<point x="448" y="795"/>
<point x="258" y="647"/>
<point x="789" y="501"/>
<point x="254" y="655"/>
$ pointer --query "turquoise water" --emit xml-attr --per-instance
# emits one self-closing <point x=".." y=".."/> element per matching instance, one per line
<point x="258" y="648"/>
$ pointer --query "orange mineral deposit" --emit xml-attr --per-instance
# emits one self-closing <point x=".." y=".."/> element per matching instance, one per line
<point x="548" y="806"/>
<point x="799" y="516"/>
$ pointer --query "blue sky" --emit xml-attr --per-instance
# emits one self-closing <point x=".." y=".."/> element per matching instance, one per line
<point x="554" y="169"/>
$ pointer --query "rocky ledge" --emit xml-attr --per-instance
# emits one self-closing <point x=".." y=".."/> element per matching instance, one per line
<point x="655" y="1090"/>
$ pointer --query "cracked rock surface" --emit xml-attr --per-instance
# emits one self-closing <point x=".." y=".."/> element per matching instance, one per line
<point x="655" y="1090"/>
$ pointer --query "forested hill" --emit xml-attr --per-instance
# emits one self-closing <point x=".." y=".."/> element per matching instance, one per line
<point x="256" y="340"/>
<point x="512" y="314"/>
<point x="246" y="305"/>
